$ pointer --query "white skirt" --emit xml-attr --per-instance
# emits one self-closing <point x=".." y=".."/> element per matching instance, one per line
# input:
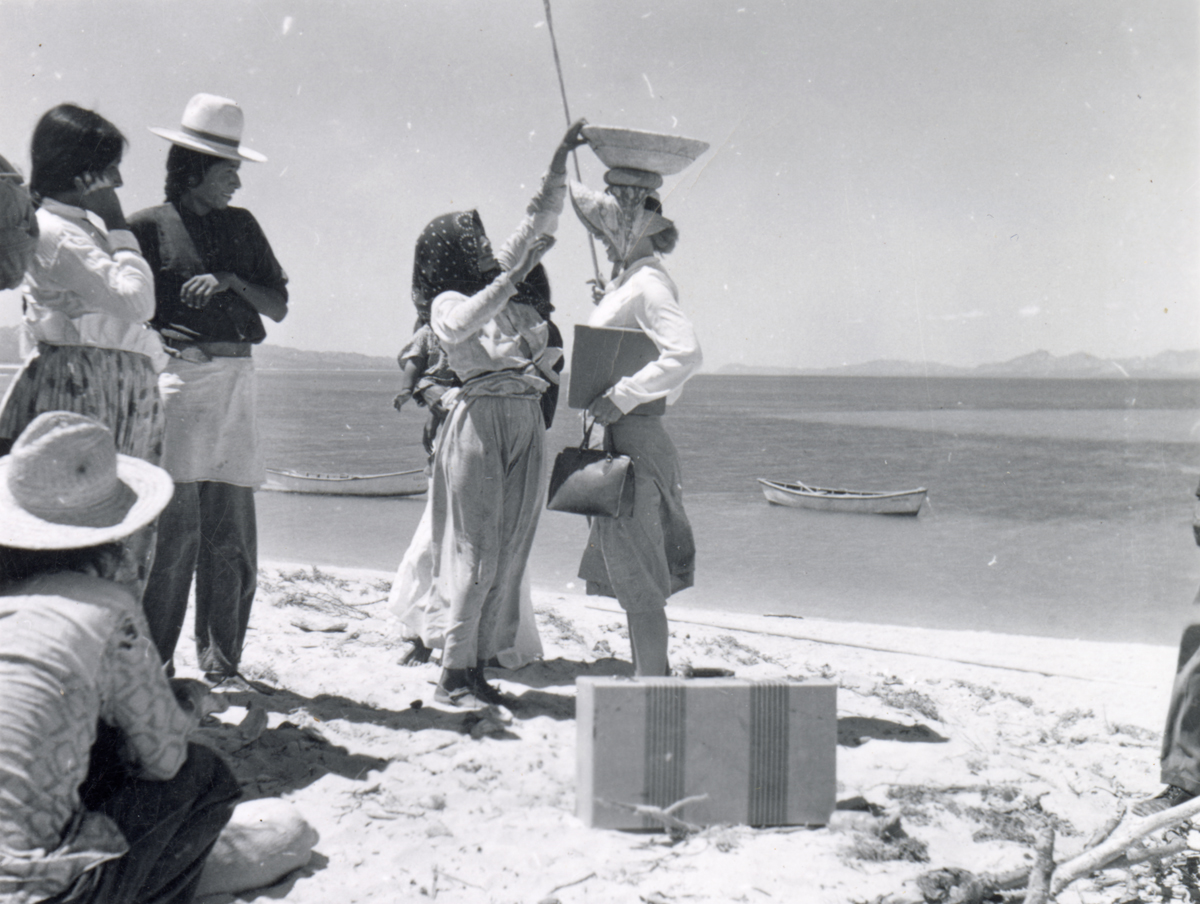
<point x="212" y="426"/>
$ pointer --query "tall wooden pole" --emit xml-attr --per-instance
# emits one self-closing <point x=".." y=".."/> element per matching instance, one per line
<point x="562" y="88"/>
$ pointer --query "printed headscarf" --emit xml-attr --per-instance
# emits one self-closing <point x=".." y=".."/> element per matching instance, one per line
<point x="620" y="216"/>
<point x="447" y="258"/>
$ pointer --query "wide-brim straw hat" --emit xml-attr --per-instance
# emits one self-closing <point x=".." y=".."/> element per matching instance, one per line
<point x="212" y="125"/>
<point x="65" y="486"/>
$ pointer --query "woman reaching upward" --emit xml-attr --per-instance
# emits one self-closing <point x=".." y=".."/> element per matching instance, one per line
<point x="485" y="493"/>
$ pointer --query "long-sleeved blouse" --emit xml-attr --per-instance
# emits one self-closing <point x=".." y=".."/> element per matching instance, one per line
<point x="88" y="286"/>
<point x="645" y="298"/>
<point x="483" y="333"/>
<point x="74" y="649"/>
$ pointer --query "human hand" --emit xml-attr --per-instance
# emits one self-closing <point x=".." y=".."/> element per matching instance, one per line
<point x="571" y="140"/>
<point x="604" y="411"/>
<point x="196" y="697"/>
<point x="196" y="292"/>
<point x="398" y="402"/>
<point x="598" y="290"/>
<point x="533" y="253"/>
<point x="101" y="199"/>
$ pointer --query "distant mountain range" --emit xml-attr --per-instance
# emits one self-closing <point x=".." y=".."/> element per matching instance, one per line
<point x="1164" y="365"/>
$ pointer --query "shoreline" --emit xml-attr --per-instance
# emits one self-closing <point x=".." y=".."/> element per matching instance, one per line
<point x="411" y="805"/>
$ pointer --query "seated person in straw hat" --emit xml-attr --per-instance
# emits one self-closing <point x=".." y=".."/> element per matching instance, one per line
<point x="215" y="278"/>
<point x="79" y="677"/>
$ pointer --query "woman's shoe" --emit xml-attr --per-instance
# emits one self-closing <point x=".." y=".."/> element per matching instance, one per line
<point x="414" y="651"/>
<point x="460" y="698"/>
<point x="455" y="688"/>
<point x="482" y="689"/>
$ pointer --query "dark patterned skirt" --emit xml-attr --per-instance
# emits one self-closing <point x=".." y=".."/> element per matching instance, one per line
<point x="117" y="388"/>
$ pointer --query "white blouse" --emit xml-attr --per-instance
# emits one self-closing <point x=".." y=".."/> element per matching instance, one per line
<point x="88" y="286"/>
<point x="482" y="333"/>
<point x="645" y="298"/>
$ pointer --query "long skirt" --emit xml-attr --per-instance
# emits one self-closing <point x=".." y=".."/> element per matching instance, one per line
<point x="484" y="500"/>
<point x="424" y="615"/>
<point x="643" y="556"/>
<point x="117" y="388"/>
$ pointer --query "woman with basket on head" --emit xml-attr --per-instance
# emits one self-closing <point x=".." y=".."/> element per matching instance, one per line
<point x="644" y="555"/>
<point x="485" y="492"/>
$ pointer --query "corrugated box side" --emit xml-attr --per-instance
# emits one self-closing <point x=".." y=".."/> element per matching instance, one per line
<point x="764" y="752"/>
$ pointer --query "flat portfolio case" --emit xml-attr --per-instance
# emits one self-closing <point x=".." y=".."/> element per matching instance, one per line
<point x="601" y="356"/>
<point x="764" y="752"/>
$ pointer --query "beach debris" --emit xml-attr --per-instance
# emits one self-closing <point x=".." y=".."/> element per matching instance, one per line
<point x="666" y="815"/>
<point x="550" y="894"/>
<point x="1046" y="880"/>
<point x="308" y="626"/>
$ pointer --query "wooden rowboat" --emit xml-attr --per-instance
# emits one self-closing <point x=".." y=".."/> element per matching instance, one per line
<point x="799" y="495"/>
<point x="397" y="483"/>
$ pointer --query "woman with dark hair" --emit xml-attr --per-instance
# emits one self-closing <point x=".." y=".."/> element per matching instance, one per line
<point x="643" y="556"/>
<point x="423" y="615"/>
<point x="88" y="295"/>
<point x="485" y="493"/>
<point x="215" y="278"/>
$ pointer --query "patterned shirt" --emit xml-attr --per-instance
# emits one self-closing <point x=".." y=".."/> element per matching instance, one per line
<point x="73" y="649"/>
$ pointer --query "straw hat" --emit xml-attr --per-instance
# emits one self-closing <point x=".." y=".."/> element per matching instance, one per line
<point x="212" y="125"/>
<point x="64" y="486"/>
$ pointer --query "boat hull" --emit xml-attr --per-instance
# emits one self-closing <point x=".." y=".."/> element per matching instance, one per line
<point x="819" y="499"/>
<point x="400" y="483"/>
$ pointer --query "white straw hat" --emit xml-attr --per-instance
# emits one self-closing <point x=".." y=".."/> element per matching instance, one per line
<point x="64" y="486"/>
<point x="212" y="125"/>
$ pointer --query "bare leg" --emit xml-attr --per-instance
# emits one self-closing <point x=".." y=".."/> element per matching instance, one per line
<point x="648" y="637"/>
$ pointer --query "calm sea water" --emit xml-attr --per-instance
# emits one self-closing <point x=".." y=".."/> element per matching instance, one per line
<point x="1056" y="507"/>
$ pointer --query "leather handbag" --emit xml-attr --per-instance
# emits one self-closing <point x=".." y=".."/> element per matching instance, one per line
<point x="596" y="482"/>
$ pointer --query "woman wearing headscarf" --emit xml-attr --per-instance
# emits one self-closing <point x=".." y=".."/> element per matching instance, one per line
<point x="423" y="615"/>
<point x="88" y="295"/>
<point x="485" y="492"/>
<point x="643" y="556"/>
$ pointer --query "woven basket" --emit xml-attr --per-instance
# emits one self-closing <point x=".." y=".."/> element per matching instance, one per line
<point x="650" y="151"/>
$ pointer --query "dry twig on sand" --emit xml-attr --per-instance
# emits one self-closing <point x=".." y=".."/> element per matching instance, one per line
<point x="1118" y="850"/>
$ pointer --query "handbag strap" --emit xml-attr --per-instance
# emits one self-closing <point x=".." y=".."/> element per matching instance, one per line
<point x="609" y="446"/>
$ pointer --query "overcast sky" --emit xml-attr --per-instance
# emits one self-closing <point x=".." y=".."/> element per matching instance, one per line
<point x="958" y="182"/>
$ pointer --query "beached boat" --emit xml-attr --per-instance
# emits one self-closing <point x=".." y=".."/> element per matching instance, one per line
<point x="870" y="502"/>
<point x="397" y="483"/>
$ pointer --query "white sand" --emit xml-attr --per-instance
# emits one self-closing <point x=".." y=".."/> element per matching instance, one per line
<point x="958" y="732"/>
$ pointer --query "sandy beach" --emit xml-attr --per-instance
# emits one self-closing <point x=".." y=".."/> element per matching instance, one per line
<point x="969" y="739"/>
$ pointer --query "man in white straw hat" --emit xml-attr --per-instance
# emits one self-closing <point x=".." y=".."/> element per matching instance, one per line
<point x="215" y="277"/>
<point x="80" y="677"/>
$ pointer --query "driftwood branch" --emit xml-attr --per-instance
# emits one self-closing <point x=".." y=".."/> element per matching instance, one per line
<point x="1118" y="849"/>
<point x="666" y="815"/>
<point x="1119" y="843"/>
<point x="1038" y="890"/>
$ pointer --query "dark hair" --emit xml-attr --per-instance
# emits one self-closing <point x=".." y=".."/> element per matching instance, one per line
<point x="664" y="240"/>
<point x="186" y="169"/>
<point x="69" y="141"/>
<point x="21" y="564"/>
